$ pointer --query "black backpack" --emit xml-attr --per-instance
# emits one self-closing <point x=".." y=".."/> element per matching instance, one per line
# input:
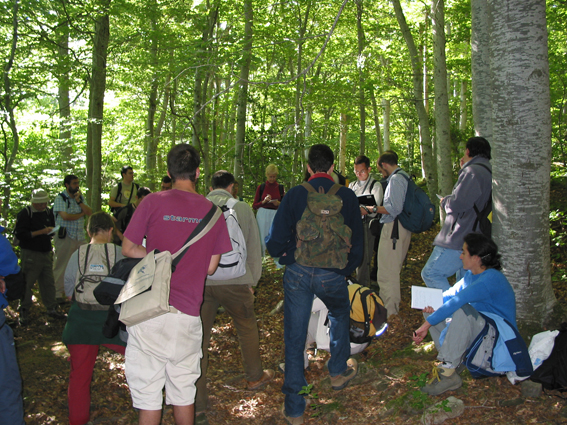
<point x="483" y="220"/>
<point x="552" y="373"/>
<point x="135" y="186"/>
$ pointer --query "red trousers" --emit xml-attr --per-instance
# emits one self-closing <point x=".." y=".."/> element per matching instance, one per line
<point x="83" y="358"/>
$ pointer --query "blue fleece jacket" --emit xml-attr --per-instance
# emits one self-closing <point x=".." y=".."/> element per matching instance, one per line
<point x="488" y="291"/>
<point x="281" y="241"/>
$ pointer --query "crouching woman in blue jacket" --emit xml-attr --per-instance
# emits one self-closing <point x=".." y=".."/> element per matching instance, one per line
<point x="483" y="292"/>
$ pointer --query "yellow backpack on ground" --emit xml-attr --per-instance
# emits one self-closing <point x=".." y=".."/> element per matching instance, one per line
<point x="367" y="313"/>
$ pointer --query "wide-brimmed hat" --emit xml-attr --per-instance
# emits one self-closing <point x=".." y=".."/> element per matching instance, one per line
<point x="39" y="196"/>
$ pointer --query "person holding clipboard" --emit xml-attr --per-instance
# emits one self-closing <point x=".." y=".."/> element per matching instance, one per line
<point x="369" y="192"/>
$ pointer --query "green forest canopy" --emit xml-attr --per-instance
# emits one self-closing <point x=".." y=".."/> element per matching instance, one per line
<point x="172" y="75"/>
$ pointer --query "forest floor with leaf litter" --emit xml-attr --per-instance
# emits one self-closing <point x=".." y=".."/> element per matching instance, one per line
<point x="385" y="391"/>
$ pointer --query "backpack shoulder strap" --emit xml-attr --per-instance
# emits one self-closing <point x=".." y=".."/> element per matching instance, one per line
<point x="308" y="186"/>
<point x="334" y="189"/>
<point x="65" y="198"/>
<point x="280" y="186"/>
<point x="372" y="185"/>
<point x="118" y="192"/>
<point x="483" y="166"/>
<point x="134" y="185"/>
<point x="231" y="203"/>
<point x="86" y="259"/>
<point x="262" y="187"/>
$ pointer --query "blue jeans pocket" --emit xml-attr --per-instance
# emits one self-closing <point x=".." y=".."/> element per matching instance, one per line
<point x="292" y="279"/>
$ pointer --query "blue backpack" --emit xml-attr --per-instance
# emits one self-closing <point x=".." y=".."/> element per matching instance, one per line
<point x="419" y="212"/>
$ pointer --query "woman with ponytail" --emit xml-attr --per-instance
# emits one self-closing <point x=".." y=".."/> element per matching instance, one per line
<point x="456" y="324"/>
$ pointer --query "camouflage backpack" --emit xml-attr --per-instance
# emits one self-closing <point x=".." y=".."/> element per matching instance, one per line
<point x="323" y="239"/>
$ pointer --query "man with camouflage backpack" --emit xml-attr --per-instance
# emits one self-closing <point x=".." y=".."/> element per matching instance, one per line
<point x="317" y="234"/>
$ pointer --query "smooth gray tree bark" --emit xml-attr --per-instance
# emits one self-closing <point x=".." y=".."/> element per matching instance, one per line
<point x="243" y="93"/>
<point x="480" y="69"/>
<point x="96" y="109"/>
<point x="442" y="115"/>
<point x="521" y="125"/>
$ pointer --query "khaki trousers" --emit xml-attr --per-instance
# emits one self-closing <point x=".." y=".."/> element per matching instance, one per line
<point x="238" y="302"/>
<point x="390" y="261"/>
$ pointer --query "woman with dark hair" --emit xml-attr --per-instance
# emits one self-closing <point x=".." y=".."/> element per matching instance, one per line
<point x="483" y="289"/>
<point x="83" y="332"/>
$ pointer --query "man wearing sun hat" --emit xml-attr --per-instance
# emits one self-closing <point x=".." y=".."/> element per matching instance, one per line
<point x="33" y="227"/>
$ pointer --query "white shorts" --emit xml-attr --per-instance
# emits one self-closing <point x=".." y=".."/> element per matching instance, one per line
<point x="164" y="351"/>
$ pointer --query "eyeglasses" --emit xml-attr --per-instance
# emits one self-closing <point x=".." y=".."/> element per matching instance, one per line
<point x="358" y="173"/>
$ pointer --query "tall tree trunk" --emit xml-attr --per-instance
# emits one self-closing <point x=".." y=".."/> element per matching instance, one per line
<point x="376" y="118"/>
<point x="521" y="125"/>
<point x="6" y="102"/>
<point x="243" y="93"/>
<point x="152" y="139"/>
<point x="361" y="76"/>
<point x="463" y="113"/>
<point x="96" y="108"/>
<point x="386" y="106"/>
<point x="342" y="150"/>
<point x="428" y="165"/>
<point x="63" y="98"/>
<point x="442" y="115"/>
<point x="480" y="69"/>
<point x="299" y="85"/>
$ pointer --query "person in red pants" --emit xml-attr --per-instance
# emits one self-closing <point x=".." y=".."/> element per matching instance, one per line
<point x="83" y="332"/>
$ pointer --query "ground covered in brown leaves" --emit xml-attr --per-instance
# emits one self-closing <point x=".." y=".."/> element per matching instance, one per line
<point x="385" y="391"/>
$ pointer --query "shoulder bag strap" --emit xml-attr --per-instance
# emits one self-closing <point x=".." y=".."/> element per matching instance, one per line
<point x="201" y="230"/>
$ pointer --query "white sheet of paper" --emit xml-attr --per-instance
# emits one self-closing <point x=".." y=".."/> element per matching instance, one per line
<point x="55" y="230"/>
<point x="422" y="297"/>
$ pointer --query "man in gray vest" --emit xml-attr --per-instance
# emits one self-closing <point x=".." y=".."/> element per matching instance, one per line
<point x="236" y="295"/>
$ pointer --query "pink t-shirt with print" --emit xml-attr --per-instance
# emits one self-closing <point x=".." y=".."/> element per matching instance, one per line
<point x="167" y="219"/>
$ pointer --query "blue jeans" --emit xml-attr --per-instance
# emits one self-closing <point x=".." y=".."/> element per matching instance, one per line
<point x="442" y="263"/>
<point x="300" y="284"/>
<point x="11" y="403"/>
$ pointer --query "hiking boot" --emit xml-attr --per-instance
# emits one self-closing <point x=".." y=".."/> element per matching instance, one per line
<point x="291" y="421"/>
<point x="56" y="315"/>
<point x="267" y="376"/>
<point x="444" y="379"/>
<point x="340" y="381"/>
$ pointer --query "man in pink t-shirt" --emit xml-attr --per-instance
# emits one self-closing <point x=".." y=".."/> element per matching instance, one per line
<point x="166" y="350"/>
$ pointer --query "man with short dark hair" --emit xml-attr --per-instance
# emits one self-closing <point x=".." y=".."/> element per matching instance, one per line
<point x="301" y="283"/>
<point x="124" y="192"/>
<point x="366" y="187"/>
<point x="394" y="239"/>
<point x="166" y="183"/>
<point x="236" y="295"/>
<point x="166" y="350"/>
<point x="124" y="215"/>
<point x="33" y="227"/>
<point x="472" y="189"/>
<point x="70" y="209"/>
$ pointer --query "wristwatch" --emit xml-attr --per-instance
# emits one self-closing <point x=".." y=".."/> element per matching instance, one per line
<point x="374" y="209"/>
